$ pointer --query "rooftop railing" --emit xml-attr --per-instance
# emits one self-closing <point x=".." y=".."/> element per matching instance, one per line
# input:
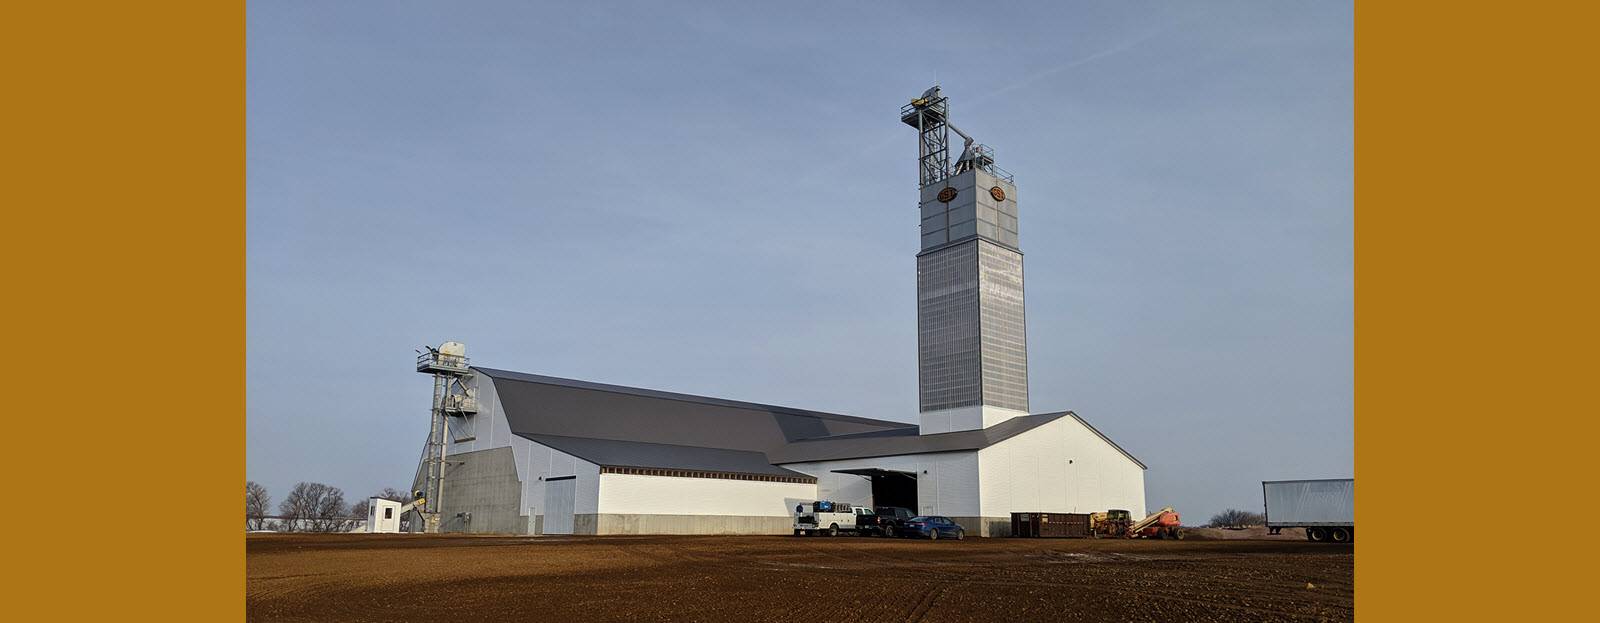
<point x="435" y="361"/>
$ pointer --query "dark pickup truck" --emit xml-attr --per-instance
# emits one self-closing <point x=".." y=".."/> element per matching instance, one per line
<point x="885" y="521"/>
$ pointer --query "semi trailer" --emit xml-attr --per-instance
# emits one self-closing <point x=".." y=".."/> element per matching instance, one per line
<point x="1326" y="508"/>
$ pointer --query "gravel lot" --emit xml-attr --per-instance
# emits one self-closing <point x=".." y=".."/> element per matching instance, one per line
<point x="414" y="578"/>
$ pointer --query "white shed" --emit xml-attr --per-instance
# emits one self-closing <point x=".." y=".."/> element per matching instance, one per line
<point x="383" y="516"/>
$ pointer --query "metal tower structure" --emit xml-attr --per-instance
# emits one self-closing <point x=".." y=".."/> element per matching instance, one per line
<point x="971" y="339"/>
<point x="454" y="395"/>
<point x="929" y="114"/>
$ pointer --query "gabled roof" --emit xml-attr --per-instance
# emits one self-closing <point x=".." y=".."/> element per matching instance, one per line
<point x="611" y="453"/>
<point x="546" y="405"/>
<point x="629" y="426"/>
<point x="864" y="446"/>
<point x="893" y="443"/>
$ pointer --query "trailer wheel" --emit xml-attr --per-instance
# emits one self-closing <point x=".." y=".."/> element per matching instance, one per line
<point x="833" y="530"/>
<point x="1339" y="535"/>
<point x="1177" y="533"/>
<point x="1317" y="534"/>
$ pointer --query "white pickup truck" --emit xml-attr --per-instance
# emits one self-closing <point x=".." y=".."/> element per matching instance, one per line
<point x="823" y="517"/>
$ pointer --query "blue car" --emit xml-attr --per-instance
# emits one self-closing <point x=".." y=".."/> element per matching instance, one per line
<point x="932" y="527"/>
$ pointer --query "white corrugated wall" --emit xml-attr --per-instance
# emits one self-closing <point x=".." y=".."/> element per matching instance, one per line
<point x="947" y="482"/>
<point x="1060" y="467"/>
<point x="631" y="494"/>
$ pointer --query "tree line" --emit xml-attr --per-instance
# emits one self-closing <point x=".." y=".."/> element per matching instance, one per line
<point x="1235" y="518"/>
<point x="309" y="507"/>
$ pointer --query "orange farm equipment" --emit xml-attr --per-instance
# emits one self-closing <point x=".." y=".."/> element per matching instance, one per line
<point x="1162" y="524"/>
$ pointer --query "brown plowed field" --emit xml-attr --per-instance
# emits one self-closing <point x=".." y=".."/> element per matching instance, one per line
<point x="660" y="578"/>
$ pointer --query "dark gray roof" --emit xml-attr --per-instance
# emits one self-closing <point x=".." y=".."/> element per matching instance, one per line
<point x="656" y="424"/>
<point x="887" y="432"/>
<point x="856" y="446"/>
<point x="545" y="405"/>
<point x="875" y="445"/>
<point x="611" y="453"/>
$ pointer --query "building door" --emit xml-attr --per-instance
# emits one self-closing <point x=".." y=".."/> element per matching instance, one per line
<point x="899" y="489"/>
<point x="559" y="494"/>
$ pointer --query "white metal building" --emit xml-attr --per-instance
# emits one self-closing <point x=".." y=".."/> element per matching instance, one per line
<point x="536" y="454"/>
<point x="544" y="455"/>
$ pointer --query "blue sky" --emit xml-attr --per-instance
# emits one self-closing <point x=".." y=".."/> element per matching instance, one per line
<point x="719" y="199"/>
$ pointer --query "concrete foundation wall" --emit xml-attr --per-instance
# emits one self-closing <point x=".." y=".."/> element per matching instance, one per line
<point x="484" y="484"/>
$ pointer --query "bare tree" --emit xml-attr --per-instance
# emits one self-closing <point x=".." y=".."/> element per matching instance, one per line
<point x="389" y="493"/>
<point x="314" y="507"/>
<point x="256" y="502"/>
<point x="1235" y="518"/>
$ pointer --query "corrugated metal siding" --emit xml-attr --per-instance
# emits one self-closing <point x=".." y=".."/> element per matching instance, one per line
<point x="559" y="501"/>
<point x="533" y="462"/>
<point x="949" y="487"/>
<point x="1030" y="473"/>
<point x="612" y="453"/>
<point x="1309" y="502"/>
<point x="484" y="484"/>
<point x="667" y="495"/>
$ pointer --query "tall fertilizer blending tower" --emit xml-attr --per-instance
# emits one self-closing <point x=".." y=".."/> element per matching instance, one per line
<point x="972" y="351"/>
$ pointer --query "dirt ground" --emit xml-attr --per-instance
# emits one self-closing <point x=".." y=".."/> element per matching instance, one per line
<point x="845" y="579"/>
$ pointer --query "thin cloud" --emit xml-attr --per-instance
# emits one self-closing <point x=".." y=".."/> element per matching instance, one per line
<point x="1040" y="75"/>
<point x="897" y="137"/>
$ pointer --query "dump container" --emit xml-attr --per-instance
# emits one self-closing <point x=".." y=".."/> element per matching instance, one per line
<point x="1053" y="525"/>
<point x="1024" y="525"/>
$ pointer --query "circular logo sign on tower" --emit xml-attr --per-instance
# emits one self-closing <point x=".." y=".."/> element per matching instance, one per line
<point x="998" y="193"/>
<point x="947" y="195"/>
